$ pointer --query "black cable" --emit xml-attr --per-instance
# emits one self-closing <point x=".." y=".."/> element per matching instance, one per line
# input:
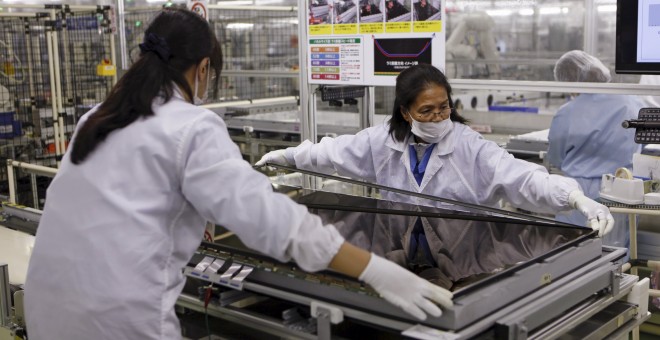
<point x="207" y="298"/>
<point x="206" y="319"/>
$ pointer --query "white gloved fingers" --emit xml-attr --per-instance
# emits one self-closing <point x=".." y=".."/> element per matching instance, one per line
<point x="428" y="307"/>
<point x="404" y="289"/>
<point x="276" y="157"/>
<point x="593" y="223"/>
<point x="598" y="216"/>
<point x="602" y="223"/>
<point x="610" y="224"/>
<point x="271" y="168"/>
<point x="261" y="162"/>
<point x="407" y="306"/>
<point x="279" y="158"/>
<point x="267" y="158"/>
<point x="413" y="310"/>
<point x="439" y="295"/>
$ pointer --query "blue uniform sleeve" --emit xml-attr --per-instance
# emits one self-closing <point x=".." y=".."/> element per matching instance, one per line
<point x="558" y="140"/>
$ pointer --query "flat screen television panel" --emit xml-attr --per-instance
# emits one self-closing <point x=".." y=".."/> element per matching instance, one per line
<point x="638" y="37"/>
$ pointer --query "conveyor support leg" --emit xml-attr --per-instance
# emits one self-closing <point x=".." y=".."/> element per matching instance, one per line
<point x="325" y="314"/>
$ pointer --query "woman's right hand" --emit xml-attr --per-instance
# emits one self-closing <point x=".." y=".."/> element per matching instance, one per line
<point x="598" y="216"/>
<point x="275" y="157"/>
<point x="404" y="289"/>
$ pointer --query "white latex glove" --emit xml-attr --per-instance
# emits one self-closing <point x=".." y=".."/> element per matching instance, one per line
<point x="598" y="216"/>
<point x="404" y="289"/>
<point x="276" y="157"/>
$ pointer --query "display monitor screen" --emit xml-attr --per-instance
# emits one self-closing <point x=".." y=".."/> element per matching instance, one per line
<point x="459" y="250"/>
<point x="638" y="36"/>
<point x="486" y="260"/>
<point x="453" y="249"/>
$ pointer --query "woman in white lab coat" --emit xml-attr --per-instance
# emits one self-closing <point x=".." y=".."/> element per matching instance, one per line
<point x="426" y="147"/>
<point x="145" y="171"/>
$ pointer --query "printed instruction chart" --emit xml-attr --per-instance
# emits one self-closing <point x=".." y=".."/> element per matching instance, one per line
<point x="369" y="42"/>
<point x="336" y="59"/>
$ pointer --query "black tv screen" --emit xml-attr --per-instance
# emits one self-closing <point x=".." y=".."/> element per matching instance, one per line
<point x="638" y="36"/>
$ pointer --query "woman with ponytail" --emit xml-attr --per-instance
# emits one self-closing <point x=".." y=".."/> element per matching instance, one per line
<point x="146" y="169"/>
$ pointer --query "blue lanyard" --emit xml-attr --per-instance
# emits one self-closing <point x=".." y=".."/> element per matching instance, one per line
<point x="418" y="240"/>
<point x="418" y="169"/>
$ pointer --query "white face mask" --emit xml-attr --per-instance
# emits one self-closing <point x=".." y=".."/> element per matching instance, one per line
<point x="196" y="99"/>
<point x="431" y="132"/>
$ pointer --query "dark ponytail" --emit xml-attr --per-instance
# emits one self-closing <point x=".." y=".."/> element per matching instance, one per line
<point x="176" y="40"/>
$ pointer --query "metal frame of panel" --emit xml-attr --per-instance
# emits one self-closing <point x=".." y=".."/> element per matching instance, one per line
<point x="576" y="295"/>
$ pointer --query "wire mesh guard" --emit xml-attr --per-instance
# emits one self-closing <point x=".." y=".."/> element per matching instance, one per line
<point x="255" y="44"/>
<point x="259" y="42"/>
<point x="49" y="72"/>
<point x="48" y="79"/>
<point x="84" y="45"/>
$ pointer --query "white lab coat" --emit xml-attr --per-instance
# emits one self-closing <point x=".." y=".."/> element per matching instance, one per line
<point x="463" y="167"/>
<point x="118" y="229"/>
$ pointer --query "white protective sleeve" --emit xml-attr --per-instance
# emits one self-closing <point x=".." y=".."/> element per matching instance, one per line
<point x="225" y="190"/>
<point x="526" y="185"/>
<point x="347" y="155"/>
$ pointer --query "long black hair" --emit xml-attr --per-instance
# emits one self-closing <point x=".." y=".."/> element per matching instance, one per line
<point x="409" y="84"/>
<point x="176" y="40"/>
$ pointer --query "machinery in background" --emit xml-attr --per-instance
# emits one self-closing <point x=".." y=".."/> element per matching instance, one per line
<point x="534" y="143"/>
<point x="49" y="77"/>
<point x="261" y="125"/>
<point x="6" y="100"/>
<point x="9" y="126"/>
<point x="17" y="227"/>
<point x="473" y="38"/>
<point x="12" y="315"/>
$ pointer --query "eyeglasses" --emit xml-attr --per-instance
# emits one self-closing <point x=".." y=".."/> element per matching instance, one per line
<point x="444" y="112"/>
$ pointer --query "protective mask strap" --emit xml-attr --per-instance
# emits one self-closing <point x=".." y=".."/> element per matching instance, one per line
<point x="196" y="99"/>
<point x="208" y="82"/>
<point x="411" y="117"/>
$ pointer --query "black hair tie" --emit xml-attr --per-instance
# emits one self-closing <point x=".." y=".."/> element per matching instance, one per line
<point x="156" y="44"/>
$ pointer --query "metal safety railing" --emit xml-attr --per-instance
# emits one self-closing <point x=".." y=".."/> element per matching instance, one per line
<point x="33" y="170"/>
<point x="5" y="296"/>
